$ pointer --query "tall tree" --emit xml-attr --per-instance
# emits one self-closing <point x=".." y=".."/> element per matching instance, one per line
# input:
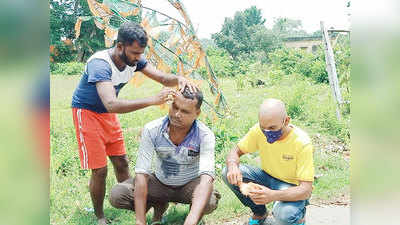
<point x="239" y="34"/>
<point x="63" y="16"/>
<point x="285" y="27"/>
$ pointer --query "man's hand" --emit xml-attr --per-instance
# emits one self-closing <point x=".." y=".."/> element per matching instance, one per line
<point x="262" y="195"/>
<point x="183" y="82"/>
<point x="164" y="95"/>
<point x="234" y="175"/>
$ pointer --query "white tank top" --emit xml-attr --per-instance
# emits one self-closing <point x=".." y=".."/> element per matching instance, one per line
<point x="117" y="76"/>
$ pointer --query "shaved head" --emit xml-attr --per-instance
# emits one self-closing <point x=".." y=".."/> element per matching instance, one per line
<point x="273" y="108"/>
<point x="272" y="114"/>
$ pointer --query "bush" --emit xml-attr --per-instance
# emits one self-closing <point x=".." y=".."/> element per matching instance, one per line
<point x="224" y="66"/>
<point x="62" y="52"/>
<point x="69" y="68"/>
<point x="252" y="75"/>
<point x="311" y="105"/>
<point x="221" y="62"/>
<point x="292" y="61"/>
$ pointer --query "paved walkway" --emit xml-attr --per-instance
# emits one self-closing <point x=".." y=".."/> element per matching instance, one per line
<point x="316" y="215"/>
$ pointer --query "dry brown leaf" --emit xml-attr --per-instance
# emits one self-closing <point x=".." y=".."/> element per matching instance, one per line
<point x="150" y="53"/>
<point x="188" y="72"/>
<point x="179" y="7"/>
<point x="133" y="12"/>
<point x="146" y="25"/>
<point x="179" y="51"/>
<point x="171" y="27"/>
<point x="108" y="42"/>
<point x="99" y="24"/>
<point x="180" y="69"/>
<point x="196" y="44"/>
<point x="155" y="32"/>
<point x="217" y="99"/>
<point x="150" y="44"/>
<point x="183" y="34"/>
<point x="111" y="33"/>
<point x="78" y="27"/>
<point x="99" y="9"/>
<point x="190" y="54"/>
<point x="51" y="49"/>
<point x="202" y="62"/>
<point x="125" y="14"/>
<point x="215" y="117"/>
<point x="198" y="60"/>
<point x="172" y="41"/>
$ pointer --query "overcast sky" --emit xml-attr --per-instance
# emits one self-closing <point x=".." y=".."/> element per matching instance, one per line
<point x="208" y="15"/>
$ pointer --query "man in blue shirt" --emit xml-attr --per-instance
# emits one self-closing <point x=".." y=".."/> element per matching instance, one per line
<point x="183" y="148"/>
<point x="95" y="104"/>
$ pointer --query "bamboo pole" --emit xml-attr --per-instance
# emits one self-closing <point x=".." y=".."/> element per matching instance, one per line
<point x="331" y="69"/>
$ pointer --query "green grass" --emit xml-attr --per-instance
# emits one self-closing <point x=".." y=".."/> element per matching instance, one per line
<point x="310" y="106"/>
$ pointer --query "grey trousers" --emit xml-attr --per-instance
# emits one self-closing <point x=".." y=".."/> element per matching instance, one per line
<point x="159" y="194"/>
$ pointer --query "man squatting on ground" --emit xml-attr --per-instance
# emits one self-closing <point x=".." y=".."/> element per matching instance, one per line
<point x="95" y="104"/>
<point x="287" y="169"/>
<point x="184" y="165"/>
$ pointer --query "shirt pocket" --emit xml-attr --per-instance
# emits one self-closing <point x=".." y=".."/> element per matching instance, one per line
<point x="164" y="152"/>
<point x="189" y="155"/>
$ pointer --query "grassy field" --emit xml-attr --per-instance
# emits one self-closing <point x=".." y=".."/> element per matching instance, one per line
<point x="310" y="106"/>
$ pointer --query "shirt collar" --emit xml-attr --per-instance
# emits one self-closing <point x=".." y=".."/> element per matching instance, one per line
<point x="193" y="132"/>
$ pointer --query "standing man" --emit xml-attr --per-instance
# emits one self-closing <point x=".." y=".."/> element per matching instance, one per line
<point x="184" y="165"/>
<point x="287" y="169"/>
<point x="95" y="104"/>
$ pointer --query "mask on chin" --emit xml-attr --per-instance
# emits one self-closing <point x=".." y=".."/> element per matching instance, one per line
<point x="272" y="136"/>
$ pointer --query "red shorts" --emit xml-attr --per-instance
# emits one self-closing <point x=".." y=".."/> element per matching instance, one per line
<point x="99" y="135"/>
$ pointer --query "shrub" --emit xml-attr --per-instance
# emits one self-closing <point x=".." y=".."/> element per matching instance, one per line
<point x="221" y="62"/>
<point x="69" y="68"/>
<point x="292" y="61"/>
<point x="311" y="105"/>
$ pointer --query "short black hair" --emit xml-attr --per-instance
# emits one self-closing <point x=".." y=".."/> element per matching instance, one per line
<point x="198" y="95"/>
<point x="130" y="32"/>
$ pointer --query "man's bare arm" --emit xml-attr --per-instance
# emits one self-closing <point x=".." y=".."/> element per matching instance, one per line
<point x="140" y="196"/>
<point x="264" y="195"/>
<point x="165" y="79"/>
<point x="234" y="175"/>
<point x="300" y="192"/>
<point x="201" y="197"/>
<point x="233" y="157"/>
<point x="107" y="95"/>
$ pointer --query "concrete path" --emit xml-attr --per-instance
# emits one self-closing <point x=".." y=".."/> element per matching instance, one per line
<point x="316" y="215"/>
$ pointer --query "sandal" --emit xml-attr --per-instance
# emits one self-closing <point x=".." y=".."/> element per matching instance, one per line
<point x="255" y="222"/>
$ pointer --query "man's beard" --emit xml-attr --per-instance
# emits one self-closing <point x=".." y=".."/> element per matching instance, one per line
<point x="125" y="59"/>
